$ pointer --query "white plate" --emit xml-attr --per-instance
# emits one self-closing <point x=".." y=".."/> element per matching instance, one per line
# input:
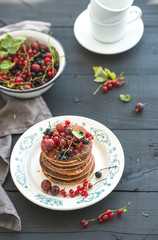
<point x="83" y="35"/>
<point x="25" y="165"/>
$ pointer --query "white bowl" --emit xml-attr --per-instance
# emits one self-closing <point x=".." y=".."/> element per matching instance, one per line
<point x="41" y="37"/>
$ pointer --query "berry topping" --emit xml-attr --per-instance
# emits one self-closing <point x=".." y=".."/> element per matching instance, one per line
<point x="98" y="174"/>
<point x="45" y="185"/>
<point x="54" y="190"/>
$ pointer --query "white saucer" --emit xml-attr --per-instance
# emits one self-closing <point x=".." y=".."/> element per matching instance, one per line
<point x="82" y="33"/>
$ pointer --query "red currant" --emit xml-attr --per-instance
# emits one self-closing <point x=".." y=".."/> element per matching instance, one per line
<point x="104" y="89"/>
<point x="119" y="212"/>
<point x="111" y="215"/>
<point x="105" y="217"/>
<point x="85" y="224"/>
<point x="67" y="122"/>
<point x="109" y="85"/>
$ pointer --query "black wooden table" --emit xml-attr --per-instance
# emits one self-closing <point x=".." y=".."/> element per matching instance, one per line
<point x="138" y="133"/>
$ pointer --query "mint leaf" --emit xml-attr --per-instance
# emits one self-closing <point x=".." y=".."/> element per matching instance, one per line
<point x="3" y="53"/>
<point x="112" y="75"/>
<point x="77" y="134"/>
<point x="6" y="65"/>
<point x="100" y="75"/>
<point x="125" y="98"/>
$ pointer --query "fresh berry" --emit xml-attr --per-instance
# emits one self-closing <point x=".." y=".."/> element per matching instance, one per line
<point x="35" y="44"/>
<point x="60" y="127"/>
<point x="35" y="67"/>
<point x="104" y="88"/>
<point x="49" y="144"/>
<point x="119" y="211"/>
<point x="139" y="107"/>
<point x="111" y="215"/>
<point x="85" y="224"/>
<point x="98" y="174"/>
<point x="105" y="217"/>
<point x="54" y="190"/>
<point x="45" y="185"/>
<point x="109" y="85"/>
<point x="67" y="122"/>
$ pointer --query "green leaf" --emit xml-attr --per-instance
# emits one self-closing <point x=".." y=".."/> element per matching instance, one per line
<point x="112" y="75"/>
<point x="145" y="214"/>
<point x="3" y="53"/>
<point x="99" y="72"/>
<point x="77" y="134"/>
<point x="7" y="41"/>
<point x="6" y="65"/>
<point x="55" y="55"/>
<point x="99" y="80"/>
<point x="12" y="44"/>
<point x="125" y="98"/>
<point x="100" y="75"/>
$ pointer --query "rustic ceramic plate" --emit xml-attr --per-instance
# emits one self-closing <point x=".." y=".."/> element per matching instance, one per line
<point x="27" y="175"/>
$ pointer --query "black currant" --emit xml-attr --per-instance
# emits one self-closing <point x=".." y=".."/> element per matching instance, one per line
<point x="86" y="141"/>
<point x="98" y="174"/>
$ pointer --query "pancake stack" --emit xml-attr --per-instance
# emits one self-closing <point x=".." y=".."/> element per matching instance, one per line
<point x="76" y="167"/>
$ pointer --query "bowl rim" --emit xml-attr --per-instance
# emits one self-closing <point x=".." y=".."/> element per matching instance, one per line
<point x="45" y="85"/>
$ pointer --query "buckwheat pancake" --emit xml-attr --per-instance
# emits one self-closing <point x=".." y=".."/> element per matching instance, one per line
<point x="75" y="169"/>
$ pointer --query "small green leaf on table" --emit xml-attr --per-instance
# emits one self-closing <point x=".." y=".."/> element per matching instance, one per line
<point x="100" y="75"/>
<point x="112" y="75"/>
<point x="125" y="98"/>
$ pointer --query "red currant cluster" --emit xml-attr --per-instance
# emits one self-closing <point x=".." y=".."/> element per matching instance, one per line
<point x="81" y="190"/>
<point x="103" y="217"/>
<point x="55" y="190"/>
<point x="34" y="66"/>
<point x="111" y="83"/>
<point x="63" y="140"/>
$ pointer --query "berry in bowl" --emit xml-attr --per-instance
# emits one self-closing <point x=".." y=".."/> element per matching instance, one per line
<point x="30" y="63"/>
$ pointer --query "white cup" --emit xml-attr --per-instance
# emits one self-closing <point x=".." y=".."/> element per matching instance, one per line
<point x="110" y="11"/>
<point x="109" y="33"/>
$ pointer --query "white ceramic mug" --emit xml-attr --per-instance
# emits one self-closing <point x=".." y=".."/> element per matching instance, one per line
<point x="109" y="33"/>
<point x="110" y="11"/>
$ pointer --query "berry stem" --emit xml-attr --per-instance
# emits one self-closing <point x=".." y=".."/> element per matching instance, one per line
<point x="99" y="181"/>
<point x="124" y="209"/>
<point x="98" y="89"/>
<point x="102" y="170"/>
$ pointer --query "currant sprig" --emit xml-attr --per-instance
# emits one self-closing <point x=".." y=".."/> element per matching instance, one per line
<point x="108" y="213"/>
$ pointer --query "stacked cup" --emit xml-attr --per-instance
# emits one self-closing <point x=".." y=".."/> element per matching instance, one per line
<point x="109" y="19"/>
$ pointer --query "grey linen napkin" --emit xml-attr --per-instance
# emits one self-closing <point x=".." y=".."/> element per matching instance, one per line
<point x="16" y="116"/>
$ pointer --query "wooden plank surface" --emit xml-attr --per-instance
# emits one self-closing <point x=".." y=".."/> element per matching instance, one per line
<point x="37" y="219"/>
